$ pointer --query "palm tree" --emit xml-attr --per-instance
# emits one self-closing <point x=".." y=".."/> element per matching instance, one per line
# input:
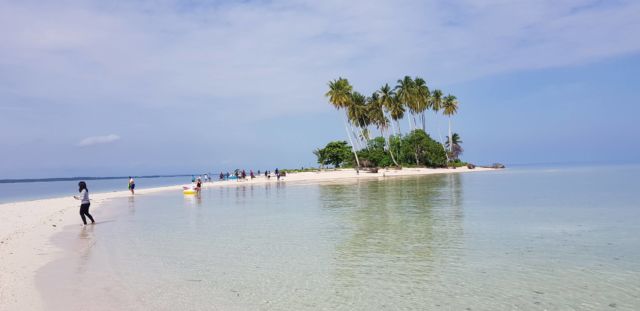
<point x="378" y="117"/>
<point x="454" y="145"/>
<point x="450" y="106"/>
<point x="339" y="95"/>
<point x="375" y="112"/>
<point x="358" y="114"/>
<point x="405" y="92"/>
<point x="436" y="105"/>
<point x="389" y="102"/>
<point x="422" y="99"/>
<point x="436" y="100"/>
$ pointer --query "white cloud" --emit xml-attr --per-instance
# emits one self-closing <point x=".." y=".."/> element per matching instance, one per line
<point x="97" y="140"/>
<point x="261" y="59"/>
<point x="275" y="57"/>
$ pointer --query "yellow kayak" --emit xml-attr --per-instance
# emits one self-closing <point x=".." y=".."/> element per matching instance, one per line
<point x="189" y="191"/>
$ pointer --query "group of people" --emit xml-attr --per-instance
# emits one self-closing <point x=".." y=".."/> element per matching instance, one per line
<point x="239" y="174"/>
<point x="203" y="178"/>
<point x="277" y="172"/>
<point x="197" y="181"/>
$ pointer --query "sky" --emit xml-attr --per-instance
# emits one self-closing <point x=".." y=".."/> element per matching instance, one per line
<point x="111" y="88"/>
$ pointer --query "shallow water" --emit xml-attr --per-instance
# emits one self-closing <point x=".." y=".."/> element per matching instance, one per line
<point x="518" y="239"/>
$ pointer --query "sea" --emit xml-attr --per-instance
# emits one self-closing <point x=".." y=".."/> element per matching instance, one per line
<point x="34" y="189"/>
<point x="523" y="238"/>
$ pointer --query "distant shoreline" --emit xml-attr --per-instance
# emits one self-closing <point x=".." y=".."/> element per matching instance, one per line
<point x="27" y="227"/>
<point x="54" y="179"/>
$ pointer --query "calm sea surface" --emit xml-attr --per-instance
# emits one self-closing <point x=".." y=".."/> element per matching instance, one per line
<point x="518" y="239"/>
<point x="21" y="191"/>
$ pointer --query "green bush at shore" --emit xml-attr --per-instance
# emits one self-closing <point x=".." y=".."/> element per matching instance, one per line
<point x="415" y="149"/>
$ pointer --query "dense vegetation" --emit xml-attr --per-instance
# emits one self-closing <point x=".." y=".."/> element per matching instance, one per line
<point x="414" y="149"/>
<point x="383" y="110"/>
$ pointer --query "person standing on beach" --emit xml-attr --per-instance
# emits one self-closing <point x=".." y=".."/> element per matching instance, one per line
<point x="84" y="202"/>
<point x="132" y="185"/>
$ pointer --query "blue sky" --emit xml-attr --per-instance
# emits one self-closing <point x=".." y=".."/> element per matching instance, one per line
<point x="148" y="87"/>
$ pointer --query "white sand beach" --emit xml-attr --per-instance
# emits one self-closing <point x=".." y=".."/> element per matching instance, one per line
<point x="27" y="228"/>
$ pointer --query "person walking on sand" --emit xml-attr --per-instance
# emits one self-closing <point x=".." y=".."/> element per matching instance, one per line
<point x="132" y="185"/>
<point x="84" y="202"/>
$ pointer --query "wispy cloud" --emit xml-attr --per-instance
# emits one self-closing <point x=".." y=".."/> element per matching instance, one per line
<point x="272" y="56"/>
<point x="97" y="140"/>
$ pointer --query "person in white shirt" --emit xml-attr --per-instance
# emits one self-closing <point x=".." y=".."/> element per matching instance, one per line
<point x="84" y="202"/>
<point x="132" y="185"/>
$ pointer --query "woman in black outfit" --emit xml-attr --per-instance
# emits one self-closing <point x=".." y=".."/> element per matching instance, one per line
<point x="84" y="202"/>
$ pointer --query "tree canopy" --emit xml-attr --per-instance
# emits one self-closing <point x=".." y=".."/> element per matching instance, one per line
<point x="336" y="153"/>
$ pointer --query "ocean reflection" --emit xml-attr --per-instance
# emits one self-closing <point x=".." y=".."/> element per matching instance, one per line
<point x="397" y="234"/>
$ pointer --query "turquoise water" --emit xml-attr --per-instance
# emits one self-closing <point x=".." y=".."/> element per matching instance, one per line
<point x="517" y="239"/>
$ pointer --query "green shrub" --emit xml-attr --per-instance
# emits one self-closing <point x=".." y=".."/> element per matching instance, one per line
<point x="375" y="154"/>
<point x="419" y="149"/>
<point x="336" y="153"/>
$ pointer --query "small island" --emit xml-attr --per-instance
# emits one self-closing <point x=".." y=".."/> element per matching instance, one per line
<point x="382" y="111"/>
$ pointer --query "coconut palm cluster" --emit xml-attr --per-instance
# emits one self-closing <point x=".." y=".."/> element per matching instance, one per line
<point x="410" y="99"/>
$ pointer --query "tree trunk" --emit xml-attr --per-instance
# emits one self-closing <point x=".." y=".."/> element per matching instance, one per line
<point x="393" y="128"/>
<point x="424" y="123"/>
<point x="389" y="145"/>
<point x="441" y="141"/>
<point x="358" y="142"/>
<point x="450" y="140"/>
<point x="393" y="158"/>
<point x="346" y="127"/>
<point x="365" y="138"/>
<point x="399" y="135"/>
<point x="450" y="137"/>
<point x="440" y="134"/>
